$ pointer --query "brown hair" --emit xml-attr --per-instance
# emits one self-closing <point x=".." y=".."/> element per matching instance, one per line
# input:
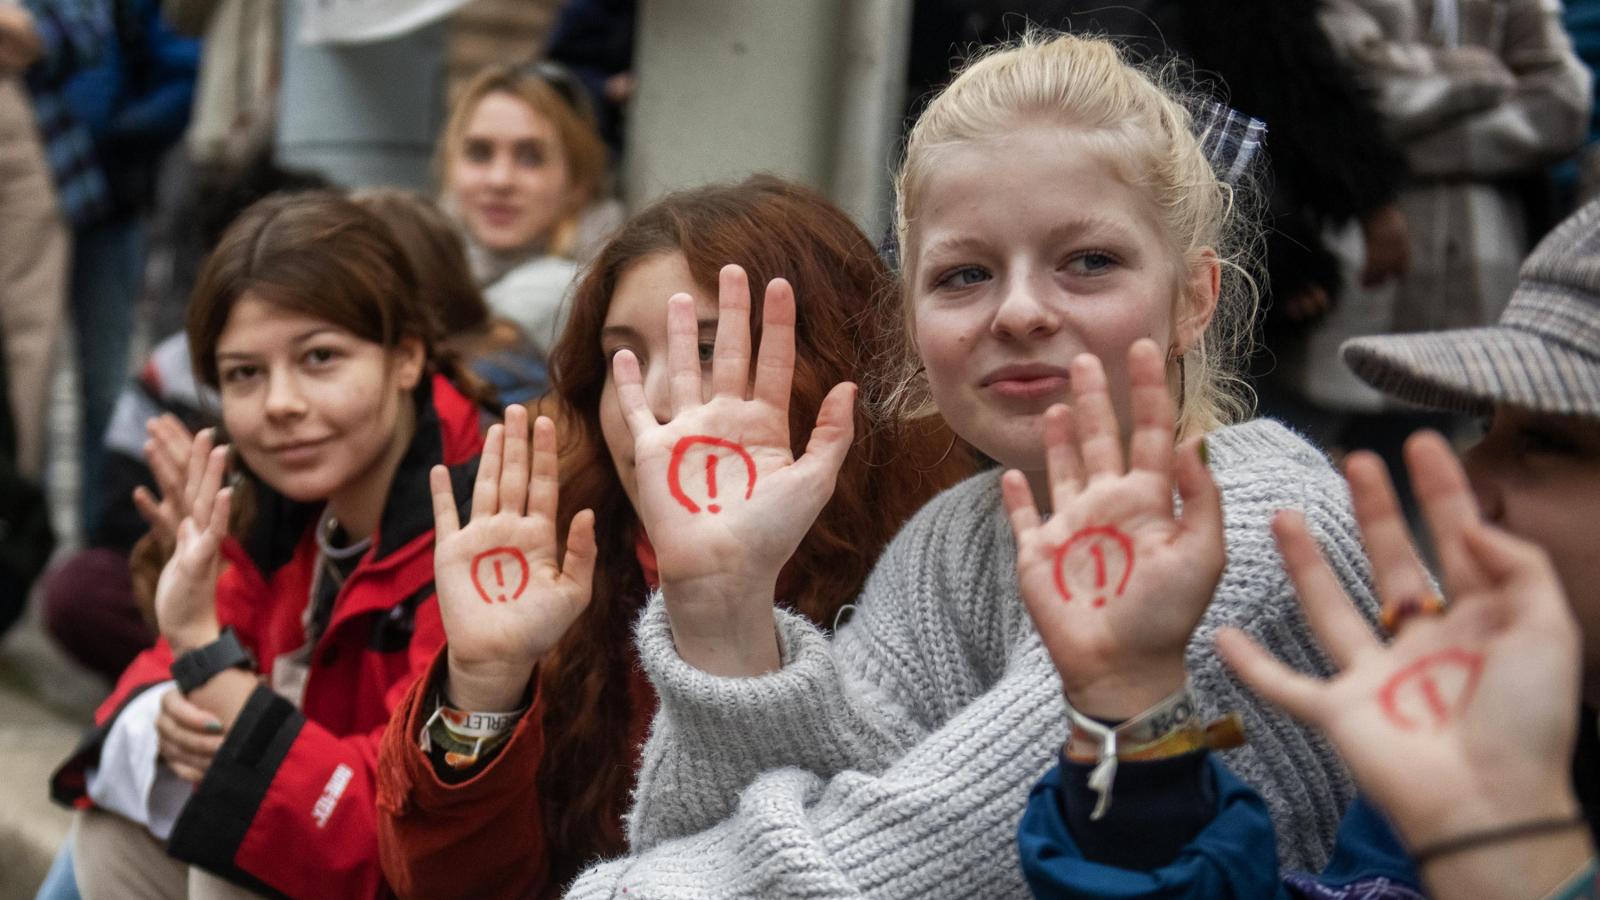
<point x="772" y="228"/>
<point x="438" y="260"/>
<point x="319" y="254"/>
<point x="581" y="146"/>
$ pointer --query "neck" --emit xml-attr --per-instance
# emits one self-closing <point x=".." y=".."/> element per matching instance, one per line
<point x="358" y="506"/>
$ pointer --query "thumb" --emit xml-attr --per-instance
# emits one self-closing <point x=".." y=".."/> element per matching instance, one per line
<point x="831" y="438"/>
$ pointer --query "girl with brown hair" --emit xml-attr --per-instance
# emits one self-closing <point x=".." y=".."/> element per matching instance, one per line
<point x="520" y="168"/>
<point x="291" y="632"/>
<point x="523" y="817"/>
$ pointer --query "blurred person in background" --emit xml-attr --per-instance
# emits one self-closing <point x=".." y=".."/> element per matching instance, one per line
<point x="135" y="106"/>
<point x="47" y="182"/>
<point x="594" y="38"/>
<point x="521" y="166"/>
<point x="1481" y="97"/>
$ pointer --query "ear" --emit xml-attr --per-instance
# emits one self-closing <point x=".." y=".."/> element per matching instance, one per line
<point x="409" y="358"/>
<point x="1199" y="301"/>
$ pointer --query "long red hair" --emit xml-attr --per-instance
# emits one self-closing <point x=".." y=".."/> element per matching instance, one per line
<point x="772" y="228"/>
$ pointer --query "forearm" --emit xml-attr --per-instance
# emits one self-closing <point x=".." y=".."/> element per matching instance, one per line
<point x="714" y="735"/>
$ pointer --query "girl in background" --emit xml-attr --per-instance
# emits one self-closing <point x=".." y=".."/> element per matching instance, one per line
<point x="520" y="167"/>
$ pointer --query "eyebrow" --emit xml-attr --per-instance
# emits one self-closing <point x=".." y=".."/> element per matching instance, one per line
<point x="1068" y="230"/>
<point x="300" y="338"/>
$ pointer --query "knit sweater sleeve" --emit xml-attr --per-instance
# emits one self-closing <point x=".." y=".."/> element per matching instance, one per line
<point x="855" y="702"/>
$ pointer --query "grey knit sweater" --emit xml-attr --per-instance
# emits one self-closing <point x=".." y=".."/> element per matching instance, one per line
<point x="895" y="759"/>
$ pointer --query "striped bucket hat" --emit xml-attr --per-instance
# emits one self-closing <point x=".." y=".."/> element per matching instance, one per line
<point x="1544" y="355"/>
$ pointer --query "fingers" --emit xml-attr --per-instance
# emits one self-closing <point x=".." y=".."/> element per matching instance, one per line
<point x="730" y="361"/>
<point x="1202" y="501"/>
<point x="630" y="393"/>
<point x="1150" y="445"/>
<point x="1399" y="574"/>
<point x="1528" y="582"/>
<point x="514" y="461"/>
<point x="210" y="483"/>
<point x="578" y="564"/>
<point x="831" y="437"/>
<point x="155" y="514"/>
<point x="775" y="365"/>
<point x="544" y="487"/>
<point x="683" y="354"/>
<point x="217" y="527"/>
<point x="199" y="453"/>
<point x="1334" y="620"/>
<point x="1018" y="499"/>
<point x="1094" y="419"/>
<point x="1298" y="695"/>
<point x="189" y="715"/>
<point x="486" y="489"/>
<point x="1062" y="465"/>
<point x="446" y="521"/>
<point x="1448" y="505"/>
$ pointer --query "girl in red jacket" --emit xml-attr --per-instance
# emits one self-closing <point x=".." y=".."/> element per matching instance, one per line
<point x="293" y="633"/>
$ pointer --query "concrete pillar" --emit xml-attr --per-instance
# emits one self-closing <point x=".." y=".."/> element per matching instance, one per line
<point x="806" y="89"/>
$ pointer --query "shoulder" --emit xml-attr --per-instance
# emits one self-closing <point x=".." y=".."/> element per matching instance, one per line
<point x="1262" y="468"/>
<point x="540" y="273"/>
<point x="964" y="518"/>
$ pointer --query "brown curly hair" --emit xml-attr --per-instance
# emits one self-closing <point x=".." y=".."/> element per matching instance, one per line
<point x="774" y="229"/>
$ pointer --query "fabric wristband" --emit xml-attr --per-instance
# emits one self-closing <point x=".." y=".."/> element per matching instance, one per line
<point x="1170" y="728"/>
<point x="466" y="735"/>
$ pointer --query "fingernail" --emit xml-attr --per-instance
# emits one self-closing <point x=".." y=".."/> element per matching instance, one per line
<point x="1205" y="454"/>
<point x="214" y="726"/>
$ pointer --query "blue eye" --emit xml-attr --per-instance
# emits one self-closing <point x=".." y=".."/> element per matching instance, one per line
<point x="1093" y="262"/>
<point x="963" y="276"/>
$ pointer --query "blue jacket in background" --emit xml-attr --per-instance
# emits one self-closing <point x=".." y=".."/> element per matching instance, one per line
<point x="1234" y="855"/>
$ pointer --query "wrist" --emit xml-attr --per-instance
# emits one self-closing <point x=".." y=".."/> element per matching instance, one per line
<point x="726" y="630"/>
<point x="191" y="636"/>
<point x="1507" y="861"/>
<point x="1127" y="692"/>
<point x="486" y="687"/>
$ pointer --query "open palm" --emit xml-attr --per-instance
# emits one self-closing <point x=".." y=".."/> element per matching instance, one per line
<point x="720" y="492"/>
<point x="505" y="593"/>
<point x="186" y="594"/>
<point x="1115" y="582"/>
<point x="1485" y="694"/>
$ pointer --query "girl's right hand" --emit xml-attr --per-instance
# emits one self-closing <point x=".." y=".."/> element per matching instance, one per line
<point x="505" y="594"/>
<point x="721" y="494"/>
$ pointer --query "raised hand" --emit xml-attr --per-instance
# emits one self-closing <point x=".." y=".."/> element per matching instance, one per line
<point x="175" y="463"/>
<point x="720" y="492"/>
<point x="186" y="594"/>
<point x="1467" y="720"/>
<point x="506" y="593"/>
<point x="1115" y="582"/>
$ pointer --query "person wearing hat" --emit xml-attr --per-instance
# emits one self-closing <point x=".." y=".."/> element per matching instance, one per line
<point x="1462" y="729"/>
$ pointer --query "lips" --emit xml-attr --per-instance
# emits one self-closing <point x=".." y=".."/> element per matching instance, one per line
<point x="1026" y="382"/>
<point x="500" y="216"/>
<point x="291" y="452"/>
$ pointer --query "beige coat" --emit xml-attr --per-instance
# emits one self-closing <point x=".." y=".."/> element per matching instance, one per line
<point x="1475" y="92"/>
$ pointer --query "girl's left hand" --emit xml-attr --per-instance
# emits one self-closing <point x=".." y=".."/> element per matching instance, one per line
<point x="1114" y="581"/>
<point x="719" y="552"/>
<point x="186" y="595"/>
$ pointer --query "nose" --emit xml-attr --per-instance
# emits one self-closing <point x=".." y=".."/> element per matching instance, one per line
<point x="284" y="398"/>
<point x="1025" y="310"/>
<point x="1480" y="469"/>
<point x="499" y="170"/>
<point x="658" y="393"/>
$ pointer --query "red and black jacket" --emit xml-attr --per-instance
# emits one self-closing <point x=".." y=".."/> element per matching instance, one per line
<point x="289" y="804"/>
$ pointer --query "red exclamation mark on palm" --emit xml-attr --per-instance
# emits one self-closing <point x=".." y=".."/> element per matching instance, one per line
<point x="1099" y="555"/>
<point x="711" y="482"/>
<point x="500" y="579"/>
